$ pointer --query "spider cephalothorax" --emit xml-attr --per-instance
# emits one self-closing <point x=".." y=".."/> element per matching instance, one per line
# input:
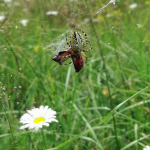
<point x="77" y="47"/>
<point x="77" y="42"/>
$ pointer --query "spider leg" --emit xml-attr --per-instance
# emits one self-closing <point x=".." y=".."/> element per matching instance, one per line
<point x="68" y="63"/>
<point x="86" y="41"/>
<point x="85" y="37"/>
<point x="88" y="48"/>
<point x="84" y="56"/>
<point x="83" y="33"/>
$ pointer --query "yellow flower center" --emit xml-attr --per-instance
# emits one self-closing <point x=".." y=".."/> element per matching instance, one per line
<point x="38" y="120"/>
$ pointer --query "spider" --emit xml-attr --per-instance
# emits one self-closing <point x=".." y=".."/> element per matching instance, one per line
<point x="77" y="47"/>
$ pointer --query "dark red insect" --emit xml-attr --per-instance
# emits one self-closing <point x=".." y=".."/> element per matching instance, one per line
<point x="62" y="57"/>
<point x="76" y="59"/>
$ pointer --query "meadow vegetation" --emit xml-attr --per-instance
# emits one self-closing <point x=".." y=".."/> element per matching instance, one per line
<point x="106" y="105"/>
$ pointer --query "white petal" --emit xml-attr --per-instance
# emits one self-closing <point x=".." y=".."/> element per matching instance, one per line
<point x="46" y="124"/>
<point x="50" y="120"/>
<point x="36" y="129"/>
<point x="50" y="117"/>
<point x="50" y="113"/>
<point x="40" y="125"/>
<point x="31" y="127"/>
<point x="45" y="111"/>
<point x="31" y="112"/>
<point x="147" y="148"/>
<point x="41" y="107"/>
<point x="26" y="117"/>
<point x="25" y="122"/>
<point x="36" y="113"/>
<point x="25" y="126"/>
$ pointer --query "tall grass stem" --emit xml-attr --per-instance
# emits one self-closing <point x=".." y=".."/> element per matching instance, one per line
<point x="106" y="73"/>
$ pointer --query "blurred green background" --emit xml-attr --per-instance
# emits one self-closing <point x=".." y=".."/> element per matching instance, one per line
<point x="32" y="32"/>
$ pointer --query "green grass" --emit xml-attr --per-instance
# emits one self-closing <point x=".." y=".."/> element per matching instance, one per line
<point x="90" y="118"/>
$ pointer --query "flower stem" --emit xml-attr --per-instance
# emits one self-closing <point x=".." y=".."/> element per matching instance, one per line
<point x="43" y="138"/>
<point x="40" y="142"/>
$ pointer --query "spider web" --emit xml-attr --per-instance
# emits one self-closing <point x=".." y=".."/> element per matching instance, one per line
<point x="63" y="18"/>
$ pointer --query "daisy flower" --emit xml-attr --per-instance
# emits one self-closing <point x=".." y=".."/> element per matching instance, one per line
<point x="2" y="18"/>
<point x="24" y="22"/>
<point x="147" y="148"/>
<point x="52" y="13"/>
<point x="7" y="1"/>
<point x="133" y="5"/>
<point x="38" y="117"/>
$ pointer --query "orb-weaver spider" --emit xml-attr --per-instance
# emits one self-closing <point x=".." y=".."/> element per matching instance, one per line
<point x="77" y="47"/>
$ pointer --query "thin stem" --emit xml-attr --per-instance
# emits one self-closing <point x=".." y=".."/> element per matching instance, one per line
<point x="106" y="73"/>
<point x="31" y="141"/>
<point x="39" y="141"/>
<point x="13" y="53"/>
<point x="43" y="138"/>
<point x="7" y="120"/>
